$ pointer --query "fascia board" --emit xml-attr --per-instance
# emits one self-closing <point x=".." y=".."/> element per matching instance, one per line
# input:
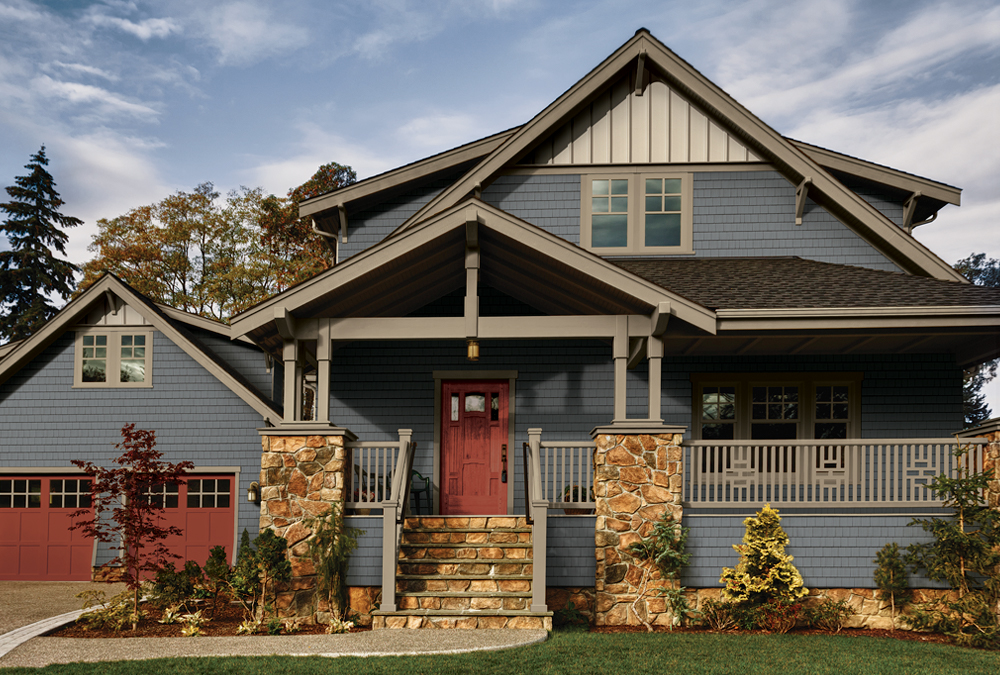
<point x="858" y="318"/>
<point x="405" y="174"/>
<point x="532" y="130"/>
<point x="200" y="322"/>
<point x="795" y="164"/>
<point x="78" y="307"/>
<point x="595" y="266"/>
<point x="880" y="174"/>
<point x="347" y="271"/>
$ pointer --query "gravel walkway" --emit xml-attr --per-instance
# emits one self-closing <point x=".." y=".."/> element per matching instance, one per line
<point x="42" y="651"/>
<point x="25" y="602"/>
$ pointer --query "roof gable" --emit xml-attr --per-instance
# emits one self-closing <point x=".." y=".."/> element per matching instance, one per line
<point x="129" y="306"/>
<point x="645" y="52"/>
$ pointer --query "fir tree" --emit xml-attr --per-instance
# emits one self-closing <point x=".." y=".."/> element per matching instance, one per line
<point x="765" y="572"/>
<point x="30" y="273"/>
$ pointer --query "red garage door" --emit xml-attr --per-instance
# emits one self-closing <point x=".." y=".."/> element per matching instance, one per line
<point x="36" y="543"/>
<point x="205" y="509"/>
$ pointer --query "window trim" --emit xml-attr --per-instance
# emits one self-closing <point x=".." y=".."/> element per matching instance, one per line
<point x="114" y="334"/>
<point x="636" y="210"/>
<point x="807" y="384"/>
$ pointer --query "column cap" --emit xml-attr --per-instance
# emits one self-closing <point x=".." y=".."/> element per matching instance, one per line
<point x="633" y="427"/>
<point x="307" y="429"/>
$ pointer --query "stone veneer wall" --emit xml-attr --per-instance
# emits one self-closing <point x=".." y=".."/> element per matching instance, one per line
<point x="300" y="476"/>
<point x="637" y="479"/>
<point x="991" y="460"/>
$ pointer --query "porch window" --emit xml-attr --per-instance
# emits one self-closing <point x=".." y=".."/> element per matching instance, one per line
<point x="752" y="407"/>
<point x="630" y="212"/>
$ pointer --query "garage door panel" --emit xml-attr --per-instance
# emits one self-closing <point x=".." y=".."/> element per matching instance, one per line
<point x="8" y="561"/>
<point x="34" y="527"/>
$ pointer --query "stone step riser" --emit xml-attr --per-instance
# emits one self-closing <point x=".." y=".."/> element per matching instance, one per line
<point x="471" y="538"/>
<point x="408" y="554"/>
<point x="459" y="585"/>
<point x="459" y="603"/>
<point x="457" y="522"/>
<point x="467" y="622"/>
<point x="491" y="568"/>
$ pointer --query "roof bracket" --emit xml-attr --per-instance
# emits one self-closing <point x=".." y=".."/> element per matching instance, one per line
<point x="636" y="352"/>
<point x="343" y="223"/>
<point x="801" y="192"/>
<point x="909" y="208"/>
<point x="112" y="302"/>
<point x="640" y="73"/>
<point x="471" y="228"/>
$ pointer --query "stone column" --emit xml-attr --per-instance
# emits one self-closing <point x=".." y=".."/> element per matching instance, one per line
<point x="990" y="430"/>
<point x="638" y="478"/>
<point x="300" y="477"/>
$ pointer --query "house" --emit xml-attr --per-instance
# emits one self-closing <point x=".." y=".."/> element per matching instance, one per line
<point x="112" y="357"/>
<point x="642" y="301"/>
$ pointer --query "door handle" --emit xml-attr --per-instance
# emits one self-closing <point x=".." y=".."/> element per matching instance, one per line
<point x="503" y="460"/>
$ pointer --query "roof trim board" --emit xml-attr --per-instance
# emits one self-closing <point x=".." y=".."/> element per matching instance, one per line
<point x="795" y="164"/>
<point x="77" y="309"/>
<point x="201" y="322"/>
<point x="488" y="216"/>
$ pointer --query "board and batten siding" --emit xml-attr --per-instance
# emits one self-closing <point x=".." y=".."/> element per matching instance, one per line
<point x="46" y="423"/>
<point x="621" y="127"/>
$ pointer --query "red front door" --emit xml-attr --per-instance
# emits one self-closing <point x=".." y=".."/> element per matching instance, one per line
<point x="474" y="447"/>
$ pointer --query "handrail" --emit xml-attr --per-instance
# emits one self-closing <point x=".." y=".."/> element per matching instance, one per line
<point x="393" y="510"/>
<point x="404" y="494"/>
<point x="527" y="487"/>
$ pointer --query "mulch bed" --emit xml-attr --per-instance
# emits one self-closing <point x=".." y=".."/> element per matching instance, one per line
<point x="227" y="618"/>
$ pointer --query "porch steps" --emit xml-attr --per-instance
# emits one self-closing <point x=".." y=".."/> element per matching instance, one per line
<point x="464" y="572"/>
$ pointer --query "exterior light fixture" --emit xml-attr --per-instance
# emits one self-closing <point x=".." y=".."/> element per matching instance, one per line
<point x="253" y="493"/>
<point x="472" y="350"/>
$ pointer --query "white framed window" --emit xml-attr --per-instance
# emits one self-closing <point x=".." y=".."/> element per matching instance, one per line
<point x="120" y="357"/>
<point x="629" y="212"/>
<point x="758" y="406"/>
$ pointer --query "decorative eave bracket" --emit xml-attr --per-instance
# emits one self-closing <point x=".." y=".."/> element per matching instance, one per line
<point x="801" y="194"/>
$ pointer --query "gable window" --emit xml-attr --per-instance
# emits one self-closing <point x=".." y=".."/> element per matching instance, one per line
<point x="633" y="212"/>
<point x="758" y="407"/>
<point x="113" y="358"/>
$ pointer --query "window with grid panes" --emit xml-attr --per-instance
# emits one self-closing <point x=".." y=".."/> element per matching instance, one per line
<point x="208" y="493"/>
<point x="636" y="212"/>
<point x="113" y="358"/>
<point x="20" y="493"/>
<point x="69" y="493"/>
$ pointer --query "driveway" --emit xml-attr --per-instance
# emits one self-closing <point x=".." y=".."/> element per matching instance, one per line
<point x="25" y="602"/>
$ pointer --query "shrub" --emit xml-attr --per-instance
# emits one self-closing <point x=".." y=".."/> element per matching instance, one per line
<point x="173" y="588"/>
<point x="890" y="577"/>
<point x="330" y="547"/>
<point x="114" y="614"/>
<point x="829" y="615"/>
<point x="260" y="566"/>
<point x="718" y="614"/>
<point x="777" y="615"/>
<point x="665" y="548"/>
<point x="764" y="572"/>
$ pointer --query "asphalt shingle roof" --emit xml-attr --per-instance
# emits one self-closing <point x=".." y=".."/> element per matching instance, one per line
<point x="778" y="283"/>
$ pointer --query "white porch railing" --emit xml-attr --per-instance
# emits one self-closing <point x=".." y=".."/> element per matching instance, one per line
<point x="566" y="474"/>
<point x="859" y="472"/>
<point x="370" y="466"/>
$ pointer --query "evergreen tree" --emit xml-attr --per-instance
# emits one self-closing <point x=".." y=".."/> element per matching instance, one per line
<point x="30" y="273"/>
<point x="981" y="271"/>
<point x="765" y="572"/>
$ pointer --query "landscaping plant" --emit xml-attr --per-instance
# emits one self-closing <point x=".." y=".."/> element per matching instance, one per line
<point x="890" y="577"/>
<point x="260" y="566"/>
<point x="664" y="548"/>
<point x="134" y="527"/>
<point x="829" y="615"/>
<point x="330" y="546"/>
<point x="965" y="553"/>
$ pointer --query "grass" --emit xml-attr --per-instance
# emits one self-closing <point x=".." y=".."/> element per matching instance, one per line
<point x="577" y="652"/>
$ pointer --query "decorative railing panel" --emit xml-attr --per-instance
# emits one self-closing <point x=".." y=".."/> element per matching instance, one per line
<point x="828" y="473"/>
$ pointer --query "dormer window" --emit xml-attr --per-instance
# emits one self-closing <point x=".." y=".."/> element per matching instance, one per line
<point x="636" y="213"/>
<point x="113" y="358"/>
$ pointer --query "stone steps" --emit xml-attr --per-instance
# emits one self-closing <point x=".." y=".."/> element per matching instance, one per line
<point x="467" y="572"/>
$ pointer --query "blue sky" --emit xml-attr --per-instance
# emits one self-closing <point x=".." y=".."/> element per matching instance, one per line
<point x="135" y="100"/>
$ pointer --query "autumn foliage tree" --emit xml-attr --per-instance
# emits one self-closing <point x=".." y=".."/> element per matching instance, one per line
<point x="127" y="506"/>
<point x="212" y="256"/>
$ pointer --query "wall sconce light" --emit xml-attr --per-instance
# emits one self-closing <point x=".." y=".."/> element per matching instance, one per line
<point x="472" y="350"/>
<point x="253" y="493"/>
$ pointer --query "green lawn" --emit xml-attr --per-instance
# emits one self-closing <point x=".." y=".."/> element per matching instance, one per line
<point x="577" y="652"/>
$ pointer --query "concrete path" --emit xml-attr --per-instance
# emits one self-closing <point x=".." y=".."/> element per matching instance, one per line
<point x="30" y="609"/>
<point x="42" y="651"/>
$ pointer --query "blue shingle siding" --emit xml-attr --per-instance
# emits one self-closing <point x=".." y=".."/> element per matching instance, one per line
<point x="550" y="201"/>
<point x="47" y="423"/>
<point x="887" y="200"/>
<point x="830" y="550"/>
<point x="570" y="551"/>
<point x="246" y="359"/>
<point x="752" y="213"/>
<point x="902" y="395"/>
<point x="369" y="227"/>
<point x="365" y="567"/>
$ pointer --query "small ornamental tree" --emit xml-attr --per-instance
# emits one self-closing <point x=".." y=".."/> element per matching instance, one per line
<point x="765" y="572"/>
<point x="965" y="553"/>
<point x="890" y="577"/>
<point x="127" y="494"/>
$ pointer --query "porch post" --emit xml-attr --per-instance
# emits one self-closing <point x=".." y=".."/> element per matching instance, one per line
<point x="293" y="380"/>
<point x="539" y="509"/>
<point x="620" y="353"/>
<point x="323" y="348"/>
<point x="655" y="352"/>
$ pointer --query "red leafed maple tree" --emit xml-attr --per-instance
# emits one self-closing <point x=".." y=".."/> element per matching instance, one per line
<point x="128" y="494"/>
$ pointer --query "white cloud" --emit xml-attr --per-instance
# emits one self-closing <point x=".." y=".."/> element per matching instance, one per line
<point x="144" y="30"/>
<point x="104" y="102"/>
<point x="435" y="133"/>
<point x="245" y="32"/>
<point x="87" y="70"/>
